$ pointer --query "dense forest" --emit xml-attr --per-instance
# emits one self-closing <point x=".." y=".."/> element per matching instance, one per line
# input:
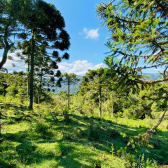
<point x="116" y="117"/>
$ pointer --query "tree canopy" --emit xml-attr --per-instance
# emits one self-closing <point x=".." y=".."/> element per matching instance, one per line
<point x="138" y="35"/>
<point x="69" y="79"/>
<point x="40" y="34"/>
<point x="9" y="27"/>
<point x="46" y="26"/>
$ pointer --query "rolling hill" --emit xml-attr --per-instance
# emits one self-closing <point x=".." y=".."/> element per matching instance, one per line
<point x="74" y="88"/>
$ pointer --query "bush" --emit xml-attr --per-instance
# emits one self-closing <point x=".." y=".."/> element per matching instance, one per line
<point x="12" y="90"/>
<point x="26" y="151"/>
<point x="132" y="111"/>
<point x="66" y="114"/>
<point x="41" y="126"/>
<point x="94" y="133"/>
<point x="88" y="110"/>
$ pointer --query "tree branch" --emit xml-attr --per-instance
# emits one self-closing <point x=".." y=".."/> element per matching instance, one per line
<point x="158" y="123"/>
<point x="153" y="81"/>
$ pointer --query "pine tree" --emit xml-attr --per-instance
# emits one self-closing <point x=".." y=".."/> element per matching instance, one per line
<point x="43" y="21"/>
<point x="69" y="79"/>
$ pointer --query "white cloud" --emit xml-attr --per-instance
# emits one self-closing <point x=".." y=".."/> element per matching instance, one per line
<point x="18" y="70"/>
<point x="120" y="57"/>
<point x="78" y="67"/>
<point x="15" y="60"/>
<point x="92" y="34"/>
<point x="99" y="66"/>
<point x="157" y="69"/>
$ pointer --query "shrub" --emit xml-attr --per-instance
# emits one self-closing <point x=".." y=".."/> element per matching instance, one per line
<point x="66" y="113"/>
<point x="94" y="133"/>
<point x="26" y="151"/>
<point x="41" y="126"/>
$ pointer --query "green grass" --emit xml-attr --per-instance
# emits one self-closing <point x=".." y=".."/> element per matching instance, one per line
<point x="40" y="139"/>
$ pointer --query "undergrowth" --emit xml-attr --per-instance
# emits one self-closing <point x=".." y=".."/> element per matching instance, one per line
<point x="48" y="138"/>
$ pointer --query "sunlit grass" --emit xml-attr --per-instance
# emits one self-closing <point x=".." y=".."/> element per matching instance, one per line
<point x="46" y="140"/>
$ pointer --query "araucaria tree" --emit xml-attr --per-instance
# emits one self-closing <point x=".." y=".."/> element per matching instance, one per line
<point x="99" y="79"/>
<point x="46" y="31"/>
<point x="9" y="27"/>
<point x="69" y="79"/>
<point x="138" y="35"/>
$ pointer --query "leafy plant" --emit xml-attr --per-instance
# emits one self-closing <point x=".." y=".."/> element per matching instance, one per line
<point x="66" y="114"/>
<point x="94" y="133"/>
<point x="26" y="152"/>
<point x="41" y="127"/>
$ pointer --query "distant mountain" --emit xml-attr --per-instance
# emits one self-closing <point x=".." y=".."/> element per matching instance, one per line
<point x="154" y="76"/>
<point x="74" y="88"/>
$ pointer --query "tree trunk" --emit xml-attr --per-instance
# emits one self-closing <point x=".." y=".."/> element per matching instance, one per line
<point x="32" y="71"/>
<point x="40" y="88"/>
<point x="6" y="48"/>
<point x="0" y="120"/>
<point x="28" y="76"/>
<point x="4" y="57"/>
<point x="69" y="93"/>
<point x="100" y="110"/>
<point x="106" y="94"/>
<point x="38" y="95"/>
<point x="158" y="123"/>
<point x="112" y="109"/>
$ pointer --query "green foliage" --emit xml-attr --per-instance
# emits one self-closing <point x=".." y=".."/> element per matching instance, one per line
<point x="21" y="94"/>
<point x="9" y="27"/>
<point x="25" y="152"/>
<point x="94" y="133"/>
<point x="33" y="16"/>
<point x="41" y="127"/>
<point x="66" y="110"/>
<point x="120" y="89"/>
<point x="66" y="114"/>
<point x="12" y="90"/>
<point x="65" y="149"/>
<point x="69" y="79"/>
<point x="43" y="141"/>
<point x="88" y="109"/>
<point x="138" y="34"/>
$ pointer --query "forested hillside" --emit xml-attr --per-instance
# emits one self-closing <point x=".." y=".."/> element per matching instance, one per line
<point x="75" y="87"/>
<point x="117" y="118"/>
<point x="64" y="87"/>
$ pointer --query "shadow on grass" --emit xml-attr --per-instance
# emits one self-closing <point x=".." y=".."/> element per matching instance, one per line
<point x="8" y="106"/>
<point x="6" y="165"/>
<point x="110" y="133"/>
<point x="91" y="133"/>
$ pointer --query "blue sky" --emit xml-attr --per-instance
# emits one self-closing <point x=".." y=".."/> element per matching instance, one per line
<point x="88" y="38"/>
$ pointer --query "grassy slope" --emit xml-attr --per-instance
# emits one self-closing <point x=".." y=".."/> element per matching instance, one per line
<point x="41" y="138"/>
